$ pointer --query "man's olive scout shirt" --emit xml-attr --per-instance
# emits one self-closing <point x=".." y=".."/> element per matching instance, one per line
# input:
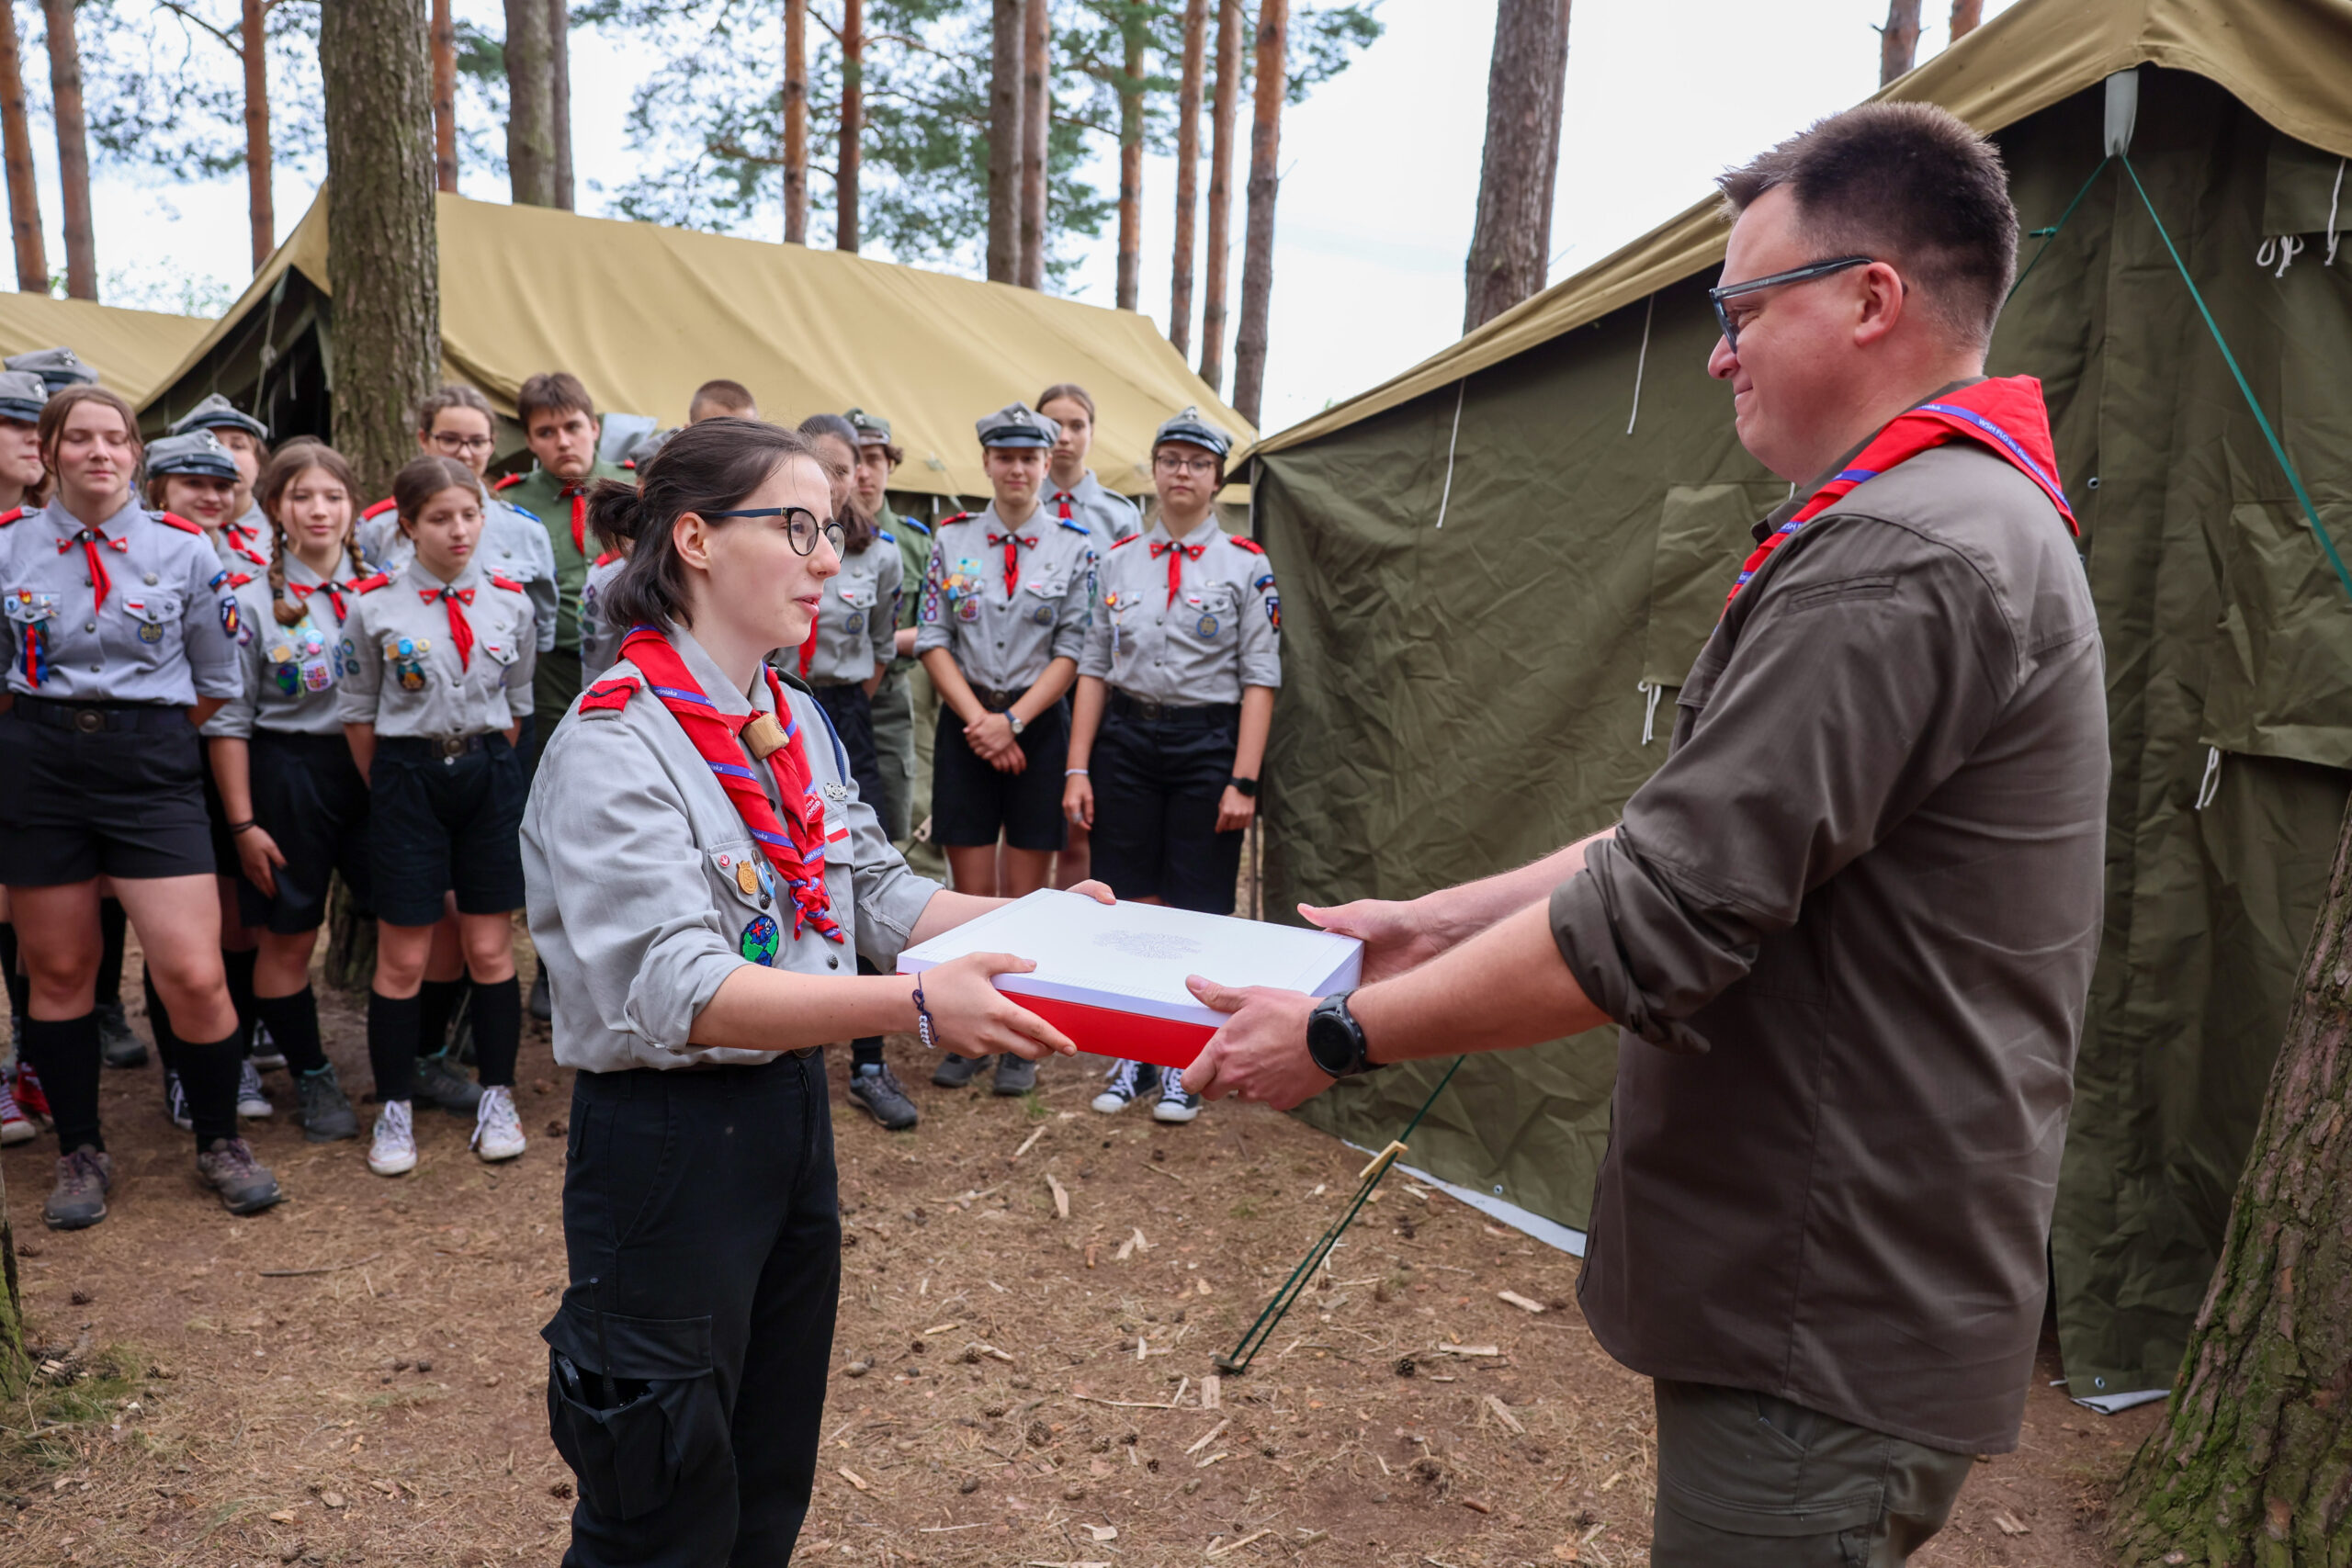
<point x="1848" y="928"/>
<point x="549" y="499"/>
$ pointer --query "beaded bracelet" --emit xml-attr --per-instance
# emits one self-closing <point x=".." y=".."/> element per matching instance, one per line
<point x="924" y="1027"/>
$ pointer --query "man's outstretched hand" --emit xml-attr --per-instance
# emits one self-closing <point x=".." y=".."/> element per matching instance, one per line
<point x="1260" y="1053"/>
<point x="1396" y="935"/>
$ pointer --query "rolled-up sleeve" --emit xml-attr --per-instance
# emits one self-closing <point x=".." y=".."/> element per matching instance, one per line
<point x="1077" y="613"/>
<point x="235" y="719"/>
<point x="1869" y="665"/>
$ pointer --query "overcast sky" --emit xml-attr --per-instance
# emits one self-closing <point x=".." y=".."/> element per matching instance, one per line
<point x="1380" y="169"/>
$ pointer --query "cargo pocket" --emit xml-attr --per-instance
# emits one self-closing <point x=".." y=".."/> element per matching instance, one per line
<point x="632" y="1402"/>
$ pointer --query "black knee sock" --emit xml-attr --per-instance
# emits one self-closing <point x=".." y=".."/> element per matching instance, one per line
<point x="159" y="1024"/>
<point x="293" y="1022"/>
<point x="240" y="968"/>
<point x="19" y="986"/>
<point x="391" y="1044"/>
<point x="439" y="999"/>
<point x="113" y="927"/>
<point x="209" y="1072"/>
<point x="498" y="1030"/>
<point x="64" y="1052"/>
<point x="865" y="1053"/>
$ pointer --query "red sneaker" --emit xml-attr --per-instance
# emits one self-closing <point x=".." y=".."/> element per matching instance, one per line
<point x="16" y="1127"/>
<point x="28" y="1094"/>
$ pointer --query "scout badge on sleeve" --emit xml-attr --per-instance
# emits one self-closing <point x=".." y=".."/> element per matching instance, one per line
<point x="32" y="613"/>
<point x="760" y="939"/>
<point x="407" y="656"/>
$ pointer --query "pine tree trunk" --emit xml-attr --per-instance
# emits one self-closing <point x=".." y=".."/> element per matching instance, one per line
<point x="445" y="97"/>
<point x="381" y="248"/>
<point x="852" y="122"/>
<point x="1257" y="246"/>
<point x="1225" y="108"/>
<point x="1036" y="122"/>
<point x="2254" y="1462"/>
<point x="1130" y="285"/>
<point x="1526" y="81"/>
<point x="1004" y="141"/>
<point x="530" y="110"/>
<point x="17" y="138"/>
<point x="560" y="97"/>
<point x="73" y="150"/>
<point x="1188" y="175"/>
<point x="796" y="122"/>
<point x="255" y="47"/>
<point x="1965" y="15"/>
<point x="16" y="1364"/>
<point x="1898" y="42"/>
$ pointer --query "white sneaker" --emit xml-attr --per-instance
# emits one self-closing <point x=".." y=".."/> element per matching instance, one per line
<point x="265" y="1055"/>
<point x="393" y="1151"/>
<point x="1175" y="1104"/>
<point x="16" y="1127"/>
<point x="251" y="1103"/>
<point x="175" y="1102"/>
<point x="1122" y="1089"/>
<point x="498" y="1131"/>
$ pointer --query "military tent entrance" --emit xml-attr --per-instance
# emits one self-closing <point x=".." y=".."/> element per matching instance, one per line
<point x="644" y="314"/>
<point x="132" y="351"/>
<point x="1500" y="566"/>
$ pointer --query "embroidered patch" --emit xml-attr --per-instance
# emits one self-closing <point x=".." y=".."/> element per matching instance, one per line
<point x="1275" y="611"/>
<point x="231" y="619"/>
<point x="1206" y="626"/>
<point x="759" y="941"/>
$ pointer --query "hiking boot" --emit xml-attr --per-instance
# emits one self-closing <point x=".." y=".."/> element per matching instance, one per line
<point x="244" y="1183"/>
<point x="1175" y="1104"/>
<point x="498" y="1132"/>
<point x="954" y="1071"/>
<point x="542" y="1004"/>
<point x="392" y="1152"/>
<point x="325" y="1109"/>
<point x="16" y="1127"/>
<point x="1014" y="1076"/>
<point x="79" y="1199"/>
<point x="1128" y="1082"/>
<point x="118" y="1047"/>
<point x="266" y="1056"/>
<point x="29" y="1098"/>
<point x="251" y="1103"/>
<point x="438" y="1083"/>
<point x="175" y="1102"/>
<point x="876" y="1088"/>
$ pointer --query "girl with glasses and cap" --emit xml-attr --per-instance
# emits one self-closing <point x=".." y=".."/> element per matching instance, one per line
<point x="119" y="637"/>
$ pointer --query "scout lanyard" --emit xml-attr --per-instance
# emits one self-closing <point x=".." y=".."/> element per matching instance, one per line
<point x="461" y="632"/>
<point x="90" y="539"/>
<point x="1012" y="556"/>
<point x="1176" y="555"/>
<point x="794" y="845"/>
<point x="36" y="640"/>
<point x="2006" y="415"/>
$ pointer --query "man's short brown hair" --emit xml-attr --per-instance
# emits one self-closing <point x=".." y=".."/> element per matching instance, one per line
<point x="1904" y="183"/>
<point x="727" y="397"/>
<point x="552" y="392"/>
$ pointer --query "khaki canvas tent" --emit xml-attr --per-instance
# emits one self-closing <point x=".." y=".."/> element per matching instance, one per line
<point x="132" y="351"/>
<point x="1499" y="566"/>
<point x="644" y="314"/>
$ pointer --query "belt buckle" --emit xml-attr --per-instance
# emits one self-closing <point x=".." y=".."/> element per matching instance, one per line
<point x="452" y="747"/>
<point x="89" y="721"/>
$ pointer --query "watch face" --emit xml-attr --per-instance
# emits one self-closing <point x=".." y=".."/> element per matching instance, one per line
<point x="1330" y="1042"/>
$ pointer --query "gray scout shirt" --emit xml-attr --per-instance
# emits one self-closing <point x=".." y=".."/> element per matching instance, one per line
<point x="640" y="902"/>
<point x="513" y="545"/>
<point x="403" y="672"/>
<point x="165" y="634"/>
<point x="1003" y="637"/>
<point x="857" y="624"/>
<point x="290" y="671"/>
<point x="1112" y="518"/>
<point x="1220" y="632"/>
<point x="243" y="547"/>
<point x="600" y="642"/>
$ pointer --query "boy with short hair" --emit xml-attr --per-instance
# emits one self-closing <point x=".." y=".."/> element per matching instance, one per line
<point x="721" y="400"/>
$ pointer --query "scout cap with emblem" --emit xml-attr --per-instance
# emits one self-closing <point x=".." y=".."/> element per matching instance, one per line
<point x="197" y="452"/>
<point x="58" y="368"/>
<point x="871" y="431"/>
<point x="22" y="393"/>
<point x="1194" y="430"/>
<point x="1016" y="425"/>
<point x="217" y="412"/>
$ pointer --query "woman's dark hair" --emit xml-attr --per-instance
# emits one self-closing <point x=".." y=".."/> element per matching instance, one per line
<point x="422" y="479"/>
<point x="706" y="468"/>
<point x="857" y="529"/>
<point x="291" y="462"/>
<point x="455" y="395"/>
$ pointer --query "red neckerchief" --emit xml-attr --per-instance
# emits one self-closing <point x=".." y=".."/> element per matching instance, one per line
<point x="334" y="591"/>
<point x="808" y="643"/>
<point x="241" y="541"/>
<point x="1012" y="556"/>
<point x="1065" y="498"/>
<point x="90" y="539"/>
<point x="794" y="845"/>
<point x="1176" y="555"/>
<point x="578" y="495"/>
<point x="454" y="600"/>
<point x="2005" y="415"/>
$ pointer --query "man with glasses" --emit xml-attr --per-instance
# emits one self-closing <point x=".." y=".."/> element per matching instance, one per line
<point x="1847" y="929"/>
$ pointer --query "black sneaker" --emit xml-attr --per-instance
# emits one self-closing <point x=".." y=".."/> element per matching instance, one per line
<point x="266" y="1057"/>
<point x="245" y="1185"/>
<point x="326" y="1110"/>
<point x="1014" y="1076"/>
<point x="79" y="1199"/>
<point x="878" y="1089"/>
<point x="118" y="1047"/>
<point x="438" y="1083"/>
<point x="954" y="1071"/>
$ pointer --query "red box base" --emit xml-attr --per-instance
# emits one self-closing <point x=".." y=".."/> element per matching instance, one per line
<point x="1107" y="1033"/>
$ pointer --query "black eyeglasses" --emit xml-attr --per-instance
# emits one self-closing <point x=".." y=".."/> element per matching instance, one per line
<point x="1717" y="297"/>
<point x="800" y="525"/>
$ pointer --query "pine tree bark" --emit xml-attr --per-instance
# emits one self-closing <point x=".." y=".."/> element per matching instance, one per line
<point x="1188" y="175"/>
<point x="73" y="150"/>
<point x="445" y="97"/>
<point x="1004" y="141"/>
<point x="530" y="108"/>
<point x="1223" y="112"/>
<point x="16" y="141"/>
<point x="16" y="1362"/>
<point x="1526" y="84"/>
<point x="1036" y="124"/>
<point x="2254" y="1462"/>
<point x="1133" y="39"/>
<point x="254" y="46"/>
<point x="796" y="122"/>
<point x="1965" y="15"/>
<point x="560" y="97"/>
<point x="1898" y="42"/>
<point x="380" y="249"/>
<point x="852" y="123"/>
<point x="1258" y="245"/>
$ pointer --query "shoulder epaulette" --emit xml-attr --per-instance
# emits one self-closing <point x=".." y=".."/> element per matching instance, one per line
<point x="11" y="515"/>
<point x="176" y="521"/>
<point x="886" y="535"/>
<point x="520" y="510"/>
<point x="239" y="579"/>
<point x="508" y="583"/>
<point x="918" y="527"/>
<point x="1075" y="526"/>
<point x="371" y="582"/>
<point x="377" y="509"/>
<point x="629" y="463"/>
<point x="607" y="559"/>
<point x="1252" y="546"/>
<point x="959" y="517"/>
<point x="1130" y="540"/>
<point x="509" y="480"/>
<point x="608" y="696"/>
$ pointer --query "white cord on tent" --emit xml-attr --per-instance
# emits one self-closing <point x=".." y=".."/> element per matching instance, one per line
<point x="2211" y="784"/>
<point x="1640" y="360"/>
<point x="1446" y="496"/>
<point x="1649" y="711"/>
<point x="2334" y="198"/>
<point x="2283" y="248"/>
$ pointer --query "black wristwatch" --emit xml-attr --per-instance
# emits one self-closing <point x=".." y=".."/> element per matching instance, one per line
<point x="1335" y="1040"/>
<point x="1247" y="786"/>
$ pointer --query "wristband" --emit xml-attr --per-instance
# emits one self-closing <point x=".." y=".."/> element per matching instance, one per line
<point x="924" y="1028"/>
<point x="1074" y="772"/>
<point x="241" y="827"/>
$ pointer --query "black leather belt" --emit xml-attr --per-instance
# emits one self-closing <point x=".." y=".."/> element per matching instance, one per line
<point x="1190" y="715"/>
<point x="90" y="718"/>
<point x="432" y="748"/>
<point x="994" y="700"/>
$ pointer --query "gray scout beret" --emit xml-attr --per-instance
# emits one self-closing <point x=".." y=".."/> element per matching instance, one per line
<point x="196" y="452"/>
<point x="56" y="366"/>
<point x="1016" y="425"/>
<point x="22" y="393"/>
<point x="871" y="432"/>
<point x="217" y="412"/>
<point x="1194" y="430"/>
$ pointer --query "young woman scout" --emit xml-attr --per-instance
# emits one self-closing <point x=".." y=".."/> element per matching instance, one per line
<point x="1003" y="618"/>
<point x="703" y="877"/>
<point x="120" y="637"/>
<point x="297" y="808"/>
<point x="245" y="533"/>
<point x="437" y="679"/>
<point x="22" y="393"/>
<point x="1174" y="695"/>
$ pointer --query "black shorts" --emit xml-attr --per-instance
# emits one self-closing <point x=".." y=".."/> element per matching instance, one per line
<point x="114" y="802"/>
<point x="1157" y="784"/>
<point x="971" y="802"/>
<point x="852" y="712"/>
<point x="309" y="796"/>
<point x="443" y="825"/>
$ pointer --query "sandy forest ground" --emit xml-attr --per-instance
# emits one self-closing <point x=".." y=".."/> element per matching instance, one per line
<point x="357" y="1375"/>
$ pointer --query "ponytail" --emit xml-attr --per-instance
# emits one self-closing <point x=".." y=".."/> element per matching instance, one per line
<point x="616" y="513"/>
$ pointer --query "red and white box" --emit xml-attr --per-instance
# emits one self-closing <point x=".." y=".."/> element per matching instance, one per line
<point x="1111" y="975"/>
